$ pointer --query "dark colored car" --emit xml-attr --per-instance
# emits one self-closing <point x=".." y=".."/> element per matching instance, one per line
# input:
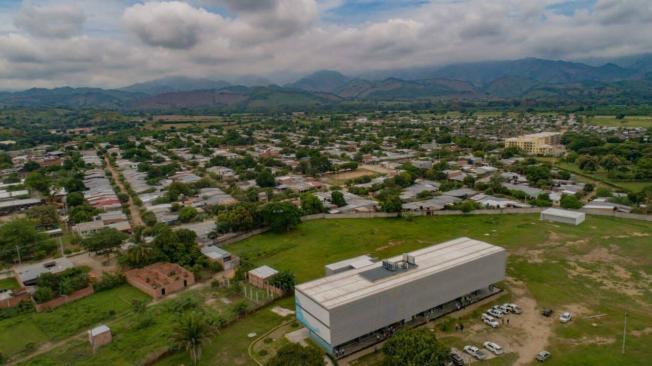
<point x="547" y="312"/>
<point x="456" y="359"/>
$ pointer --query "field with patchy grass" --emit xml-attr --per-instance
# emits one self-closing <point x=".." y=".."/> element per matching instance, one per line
<point x="600" y="178"/>
<point x="342" y="178"/>
<point x="23" y="334"/>
<point x="598" y="270"/>
<point x="627" y="121"/>
<point x="602" y="267"/>
<point x="140" y="338"/>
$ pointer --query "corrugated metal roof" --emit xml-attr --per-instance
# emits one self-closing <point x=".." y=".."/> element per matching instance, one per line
<point x="263" y="272"/>
<point x="563" y="213"/>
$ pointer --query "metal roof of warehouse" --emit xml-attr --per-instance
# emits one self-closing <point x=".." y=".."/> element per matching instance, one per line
<point x="563" y="213"/>
<point x="349" y="286"/>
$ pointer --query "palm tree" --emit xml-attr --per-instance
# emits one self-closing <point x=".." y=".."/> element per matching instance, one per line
<point x="140" y="254"/>
<point x="191" y="332"/>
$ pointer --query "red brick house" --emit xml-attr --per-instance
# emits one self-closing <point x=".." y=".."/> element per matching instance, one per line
<point x="160" y="279"/>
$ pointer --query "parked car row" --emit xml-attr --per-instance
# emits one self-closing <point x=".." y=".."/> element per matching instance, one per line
<point x="498" y="311"/>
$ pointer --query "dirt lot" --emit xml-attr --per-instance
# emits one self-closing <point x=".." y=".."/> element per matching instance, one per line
<point x="97" y="263"/>
<point x="341" y="178"/>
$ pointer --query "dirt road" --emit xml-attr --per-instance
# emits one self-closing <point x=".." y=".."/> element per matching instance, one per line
<point x="136" y="219"/>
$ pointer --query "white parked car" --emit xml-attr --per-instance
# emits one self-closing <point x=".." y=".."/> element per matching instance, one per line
<point x="505" y="308"/>
<point x="493" y="348"/>
<point x="491" y="323"/>
<point x="495" y="313"/>
<point x="486" y="316"/>
<point x="565" y="317"/>
<point x="475" y="352"/>
<point x="543" y="356"/>
<point x="514" y="308"/>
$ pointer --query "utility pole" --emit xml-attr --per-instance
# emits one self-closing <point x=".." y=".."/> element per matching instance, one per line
<point x="18" y="251"/>
<point x="624" y="333"/>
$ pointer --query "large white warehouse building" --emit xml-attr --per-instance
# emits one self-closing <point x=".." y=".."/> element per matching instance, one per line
<point x="563" y="216"/>
<point x="367" y="302"/>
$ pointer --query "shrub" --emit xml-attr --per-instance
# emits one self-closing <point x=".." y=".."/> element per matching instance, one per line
<point x="109" y="281"/>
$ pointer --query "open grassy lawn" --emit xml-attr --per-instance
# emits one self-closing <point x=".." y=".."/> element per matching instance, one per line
<point x="628" y="121"/>
<point x="8" y="283"/>
<point x="602" y="267"/>
<point x="24" y="333"/>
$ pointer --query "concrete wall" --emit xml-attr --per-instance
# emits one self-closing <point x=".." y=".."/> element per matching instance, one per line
<point x="18" y="297"/>
<point x="379" y="310"/>
<point x="504" y="211"/>
<point x="61" y="300"/>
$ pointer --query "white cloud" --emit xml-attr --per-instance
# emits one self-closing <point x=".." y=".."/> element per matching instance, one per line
<point x="287" y="37"/>
<point x="52" y="21"/>
<point x="174" y="24"/>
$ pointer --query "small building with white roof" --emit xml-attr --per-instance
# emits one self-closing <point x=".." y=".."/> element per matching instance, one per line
<point x="259" y="276"/>
<point x="99" y="336"/>
<point x="563" y="216"/>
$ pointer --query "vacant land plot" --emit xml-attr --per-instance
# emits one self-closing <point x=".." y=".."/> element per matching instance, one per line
<point x="600" y="178"/>
<point x="140" y="338"/>
<point x="21" y="335"/>
<point x="602" y="267"/>
<point x="627" y="121"/>
<point x="341" y="178"/>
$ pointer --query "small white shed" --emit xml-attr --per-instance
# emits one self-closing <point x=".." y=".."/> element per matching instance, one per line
<point x="563" y="216"/>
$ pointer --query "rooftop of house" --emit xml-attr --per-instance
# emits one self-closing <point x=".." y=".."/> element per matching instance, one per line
<point x="263" y="272"/>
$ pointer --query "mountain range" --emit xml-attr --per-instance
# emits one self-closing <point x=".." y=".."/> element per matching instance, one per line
<point x="530" y="79"/>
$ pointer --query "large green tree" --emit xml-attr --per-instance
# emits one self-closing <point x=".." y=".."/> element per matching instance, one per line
<point x="106" y="239"/>
<point x="337" y="198"/>
<point x="38" y="182"/>
<point x="570" y="201"/>
<point x="281" y="216"/>
<point x="265" y="178"/>
<point x="20" y="237"/>
<point x="310" y="204"/>
<point x="415" y="347"/>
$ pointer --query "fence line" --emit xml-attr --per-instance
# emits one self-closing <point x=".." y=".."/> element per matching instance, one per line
<point x="233" y="238"/>
<point x="504" y="211"/>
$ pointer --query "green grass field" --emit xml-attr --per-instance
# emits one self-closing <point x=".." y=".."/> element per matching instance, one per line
<point x="601" y="179"/>
<point x="610" y="253"/>
<point x="134" y="343"/>
<point x="603" y="266"/>
<point x="25" y="332"/>
<point x="628" y="121"/>
<point x="8" y="283"/>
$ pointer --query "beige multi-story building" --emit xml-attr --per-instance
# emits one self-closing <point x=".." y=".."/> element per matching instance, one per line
<point x="542" y="143"/>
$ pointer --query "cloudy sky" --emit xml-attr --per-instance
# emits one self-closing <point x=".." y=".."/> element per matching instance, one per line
<point x="112" y="43"/>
